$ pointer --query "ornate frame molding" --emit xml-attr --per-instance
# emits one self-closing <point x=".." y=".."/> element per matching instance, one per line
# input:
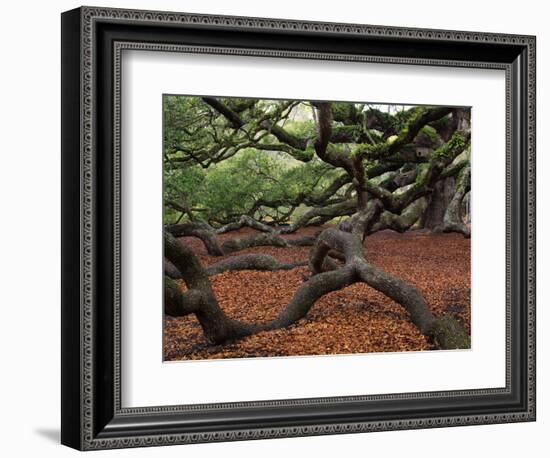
<point x="89" y="436"/>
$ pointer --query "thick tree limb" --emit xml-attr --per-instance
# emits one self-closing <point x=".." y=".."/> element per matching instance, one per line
<point x="445" y="331"/>
<point x="230" y="246"/>
<point x="427" y="174"/>
<point x="223" y="109"/>
<point x="438" y="202"/>
<point x="216" y="325"/>
<point x="423" y="117"/>
<point x="244" y="221"/>
<point x="233" y="245"/>
<point x="170" y="270"/>
<point x="199" y="230"/>
<point x="324" y="131"/>
<point x="362" y="221"/>
<point x="347" y="207"/>
<point x="208" y="236"/>
<point x="285" y="137"/>
<point x="310" y="292"/>
<point x="314" y="199"/>
<point x="250" y="262"/>
<point x="403" y="221"/>
<point x="177" y="303"/>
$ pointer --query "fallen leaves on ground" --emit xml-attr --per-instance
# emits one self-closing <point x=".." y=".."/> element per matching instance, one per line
<point x="357" y="319"/>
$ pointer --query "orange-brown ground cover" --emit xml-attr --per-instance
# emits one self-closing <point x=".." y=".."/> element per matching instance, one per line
<point x="356" y="319"/>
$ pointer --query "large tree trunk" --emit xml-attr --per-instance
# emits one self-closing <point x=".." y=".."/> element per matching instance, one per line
<point x="439" y="201"/>
<point x="452" y="221"/>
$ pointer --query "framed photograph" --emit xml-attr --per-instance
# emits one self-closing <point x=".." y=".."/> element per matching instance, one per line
<point x="276" y="228"/>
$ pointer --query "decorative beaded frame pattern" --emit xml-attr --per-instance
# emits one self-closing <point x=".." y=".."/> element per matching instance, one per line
<point x="88" y="16"/>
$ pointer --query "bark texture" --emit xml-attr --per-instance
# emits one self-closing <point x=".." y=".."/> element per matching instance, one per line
<point x="439" y="201"/>
<point x="453" y="220"/>
<point x="201" y="231"/>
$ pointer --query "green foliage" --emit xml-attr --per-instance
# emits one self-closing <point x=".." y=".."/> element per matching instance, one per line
<point x="341" y="111"/>
<point x="182" y="186"/>
<point x="403" y="118"/>
<point x="233" y="187"/>
<point x="422" y="173"/>
<point x="391" y="139"/>
<point x="457" y="141"/>
<point x="300" y="128"/>
<point x="233" y="156"/>
<point x="429" y="132"/>
<point x="183" y="181"/>
<point x="183" y="118"/>
<point x="350" y="133"/>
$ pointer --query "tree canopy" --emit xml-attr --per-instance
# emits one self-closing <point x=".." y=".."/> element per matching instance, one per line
<point x="304" y="163"/>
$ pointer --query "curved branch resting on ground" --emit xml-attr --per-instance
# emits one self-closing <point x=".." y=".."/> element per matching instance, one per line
<point x="241" y="262"/>
<point x="230" y="246"/>
<point x="218" y="327"/>
<point x="244" y="221"/>
<point x="200" y="230"/>
<point x="208" y="234"/>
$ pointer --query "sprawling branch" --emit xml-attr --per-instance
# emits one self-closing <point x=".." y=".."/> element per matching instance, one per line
<point x="244" y="221"/>
<point x="285" y="137"/>
<point x="332" y="156"/>
<point x="208" y="236"/>
<point x="238" y="244"/>
<point x="241" y="262"/>
<point x="397" y="172"/>
<point x="390" y="165"/>
<point x="199" y="230"/>
<point x="329" y="196"/>
<point x="218" y="327"/>
<point x="427" y="174"/>
<point x="251" y="262"/>
<point x="445" y="330"/>
<point x="177" y="303"/>
<point x="328" y="212"/>
<point x="223" y="109"/>
<point x="403" y="221"/>
<point x="422" y="118"/>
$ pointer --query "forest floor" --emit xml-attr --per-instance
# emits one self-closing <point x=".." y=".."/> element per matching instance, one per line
<point x="356" y="319"/>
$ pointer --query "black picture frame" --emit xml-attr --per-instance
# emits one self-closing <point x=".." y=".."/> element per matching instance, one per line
<point x="92" y="416"/>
